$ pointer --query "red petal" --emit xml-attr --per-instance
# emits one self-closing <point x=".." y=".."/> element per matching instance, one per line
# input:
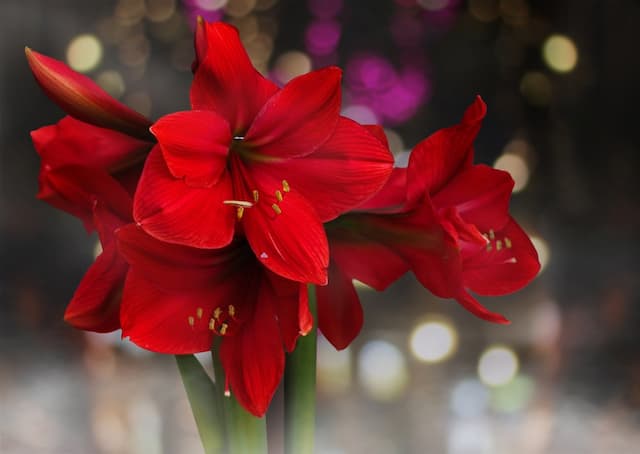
<point x="171" y="211"/>
<point x="498" y="272"/>
<point x="292" y="308"/>
<point x="378" y="133"/>
<point x="177" y="267"/>
<point x="290" y="242"/>
<point x="472" y="305"/>
<point x="82" y="98"/>
<point x="166" y="321"/>
<point x="391" y="197"/>
<point x="225" y="80"/>
<point x="347" y="170"/>
<point x="438" y="158"/>
<point x="199" y="43"/>
<point x="299" y="118"/>
<point x="339" y="311"/>
<point x="195" y="145"/>
<point x="73" y="142"/>
<point x="253" y="359"/>
<point x="96" y="303"/>
<point x="481" y="196"/>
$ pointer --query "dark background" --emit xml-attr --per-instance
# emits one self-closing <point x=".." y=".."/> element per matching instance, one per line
<point x="575" y="134"/>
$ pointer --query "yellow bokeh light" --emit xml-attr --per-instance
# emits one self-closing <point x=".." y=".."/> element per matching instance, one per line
<point x="433" y="341"/>
<point x="560" y="53"/>
<point x="84" y="52"/>
<point x="112" y="82"/>
<point x="497" y="366"/>
<point x="382" y="370"/>
<point x="517" y="167"/>
<point x="544" y="252"/>
<point x="291" y="64"/>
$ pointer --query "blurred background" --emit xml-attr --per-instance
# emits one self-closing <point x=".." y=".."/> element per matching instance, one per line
<point x="561" y="82"/>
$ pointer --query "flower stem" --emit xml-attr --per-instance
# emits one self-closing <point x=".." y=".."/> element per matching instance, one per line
<point x="300" y="390"/>
<point x="246" y="434"/>
<point x="205" y="401"/>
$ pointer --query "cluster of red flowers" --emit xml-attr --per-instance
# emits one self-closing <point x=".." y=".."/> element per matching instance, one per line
<point x="213" y="221"/>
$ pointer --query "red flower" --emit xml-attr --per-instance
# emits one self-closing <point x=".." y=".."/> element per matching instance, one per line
<point x="90" y="169"/>
<point x="253" y="159"/>
<point x="443" y="218"/>
<point x="177" y="298"/>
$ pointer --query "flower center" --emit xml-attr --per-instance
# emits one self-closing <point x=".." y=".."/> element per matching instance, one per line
<point x="498" y="245"/>
<point x="222" y="322"/>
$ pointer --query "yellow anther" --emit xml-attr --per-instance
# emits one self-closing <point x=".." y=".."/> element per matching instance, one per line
<point x="239" y="212"/>
<point x="223" y="329"/>
<point x="192" y="321"/>
<point x="507" y="243"/>
<point x="199" y="312"/>
<point x="256" y="195"/>
<point x="216" y="313"/>
<point x="498" y="245"/>
<point x="492" y="234"/>
<point x="285" y="186"/>
<point x="232" y="310"/>
<point x="212" y="324"/>
<point x="279" y="196"/>
<point x="276" y="208"/>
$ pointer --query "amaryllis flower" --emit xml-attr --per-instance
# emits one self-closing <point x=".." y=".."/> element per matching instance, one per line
<point x="271" y="164"/>
<point x="177" y="299"/>
<point x="444" y="219"/>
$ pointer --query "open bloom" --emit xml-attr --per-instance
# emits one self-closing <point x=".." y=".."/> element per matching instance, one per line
<point x="444" y="219"/>
<point x="271" y="164"/>
<point x="177" y="299"/>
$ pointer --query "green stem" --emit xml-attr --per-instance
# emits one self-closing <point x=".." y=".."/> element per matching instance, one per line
<point x="246" y="434"/>
<point x="206" y="403"/>
<point x="300" y="390"/>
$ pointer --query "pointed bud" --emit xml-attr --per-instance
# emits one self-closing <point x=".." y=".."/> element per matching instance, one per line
<point x="83" y="99"/>
<point x="200" y="43"/>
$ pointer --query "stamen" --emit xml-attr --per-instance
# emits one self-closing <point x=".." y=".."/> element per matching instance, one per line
<point x="279" y="196"/>
<point x="239" y="212"/>
<point x="489" y="247"/>
<point x="232" y="310"/>
<point x="223" y="329"/>
<point x="212" y="324"/>
<point x="216" y="313"/>
<point x="191" y="320"/>
<point x="498" y="245"/>
<point x="492" y="234"/>
<point x="199" y="312"/>
<point x="256" y="195"/>
<point x="507" y="242"/>
<point x="285" y="186"/>
<point x="238" y="203"/>
<point x="276" y="208"/>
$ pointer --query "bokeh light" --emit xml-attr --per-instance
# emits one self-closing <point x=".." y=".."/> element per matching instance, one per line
<point x="469" y="398"/>
<point x="517" y="167"/>
<point x="433" y="341"/>
<point x="560" y="53"/>
<point x="513" y="396"/>
<point x="498" y="365"/>
<point x="84" y="52"/>
<point x="239" y="8"/>
<point x="333" y="368"/>
<point x="543" y="249"/>
<point x="382" y="370"/>
<point x="289" y="65"/>
<point x="361" y="114"/>
<point x="322" y="37"/>
<point x="112" y="82"/>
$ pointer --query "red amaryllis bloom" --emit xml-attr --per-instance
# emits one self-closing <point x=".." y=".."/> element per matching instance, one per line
<point x="251" y="158"/>
<point x="443" y="218"/>
<point x="178" y="298"/>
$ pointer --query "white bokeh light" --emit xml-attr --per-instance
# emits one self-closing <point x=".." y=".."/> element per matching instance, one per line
<point x="498" y="365"/>
<point x="382" y="370"/>
<point x="433" y="341"/>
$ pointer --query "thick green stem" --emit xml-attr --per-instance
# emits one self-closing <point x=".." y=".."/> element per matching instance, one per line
<point x="300" y="390"/>
<point x="206" y="403"/>
<point x="246" y="434"/>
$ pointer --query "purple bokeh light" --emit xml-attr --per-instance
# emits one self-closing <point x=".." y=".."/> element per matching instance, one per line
<point x="322" y="36"/>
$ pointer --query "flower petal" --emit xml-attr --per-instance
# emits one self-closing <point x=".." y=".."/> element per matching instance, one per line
<point x="167" y="321"/>
<point x="82" y="98"/>
<point x="225" y="80"/>
<point x="195" y="145"/>
<point x="472" y="305"/>
<point x="95" y="305"/>
<point x="73" y="142"/>
<point x="298" y="119"/>
<point x="253" y="359"/>
<point x="288" y="238"/>
<point x="171" y="211"/>
<point x="340" y="315"/>
<point x="345" y="171"/>
<point x="435" y="160"/>
<point x="391" y="197"/>
<point x="505" y="270"/>
<point x="480" y="195"/>
<point x="292" y="308"/>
